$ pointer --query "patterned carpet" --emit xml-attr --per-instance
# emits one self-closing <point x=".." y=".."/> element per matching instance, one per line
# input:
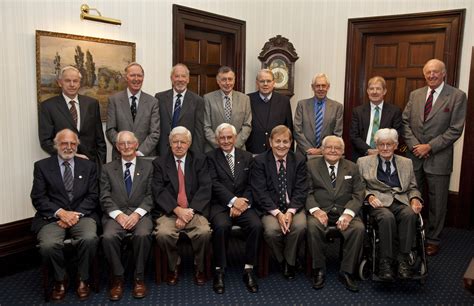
<point x="443" y="286"/>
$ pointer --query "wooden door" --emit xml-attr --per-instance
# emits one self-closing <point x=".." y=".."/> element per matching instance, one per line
<point x="204" y="41"/>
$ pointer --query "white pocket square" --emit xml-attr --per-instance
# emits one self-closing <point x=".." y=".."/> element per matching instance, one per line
<point x="347" y="177"/>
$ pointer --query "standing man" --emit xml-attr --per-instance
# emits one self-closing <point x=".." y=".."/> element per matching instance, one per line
<point x="316" y="118"/>
<point x="279" y="186"/>
<point x="232" y="204"/>
<point x="136" y="111"/>
<point x="368" y="118"/>
<point x="226" y="105"/>
<point x="269" y="109"/>
<point x="69" y="110"/>
<point x="181" y="188"/>
<point x="180" y="107"/>
<point x="336" y="192"/>
<point x="65" y="197"/>
<point x="125" y="197"/>
<point x="433" y="120"/>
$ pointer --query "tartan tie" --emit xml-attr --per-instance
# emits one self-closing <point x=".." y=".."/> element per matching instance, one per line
<point x="73" y="111"/>
<point x="182" y="199"/>
<point x="133" y="107"/>
<point x="176" y="111"/>
<point x="128" y="178"/>
<point x="68" y="180"/>
<point x="388" y="171"/>
<point x="282" y="187"/>
<point x="318" y="122"/>
<point x="231" y="163"/>
<point x="332" y="175"/>
<point x="227" y="109"/>
<point x="429" y="104"/>
<point x="375" y="126"/>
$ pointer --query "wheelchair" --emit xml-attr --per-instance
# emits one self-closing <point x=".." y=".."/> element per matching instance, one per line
<point x="368" y="268"/>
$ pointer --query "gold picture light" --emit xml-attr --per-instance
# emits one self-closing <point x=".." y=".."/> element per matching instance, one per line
<point x="85" y="9"/>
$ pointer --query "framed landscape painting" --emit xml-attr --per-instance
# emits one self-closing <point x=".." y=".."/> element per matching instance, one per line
<point x="100" y="61"/>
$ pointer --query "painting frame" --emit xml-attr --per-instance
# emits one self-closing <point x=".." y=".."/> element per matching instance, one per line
<point x="100" y="60"/>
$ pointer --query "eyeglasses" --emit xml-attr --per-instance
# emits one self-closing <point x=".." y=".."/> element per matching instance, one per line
<point x="68" y="144"/>
<point x="333" y="148"/>
<point x="126" y="143"/>
<point x="385" y="145"/>
<point x="265" y="81"/>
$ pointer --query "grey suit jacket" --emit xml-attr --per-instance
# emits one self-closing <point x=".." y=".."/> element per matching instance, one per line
<point x="386" y="194"/>
<point x="304" y="125"/>
<point x="442" y="128"/>
<point x="349" y="191"/>
<point x="191" y="117"/>
<point x="241" y="117"/>
<point x="113" y="194"/>
<point x="146" y="126"/>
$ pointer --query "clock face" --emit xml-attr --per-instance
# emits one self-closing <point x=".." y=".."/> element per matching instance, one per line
<point x="281" y="77"/>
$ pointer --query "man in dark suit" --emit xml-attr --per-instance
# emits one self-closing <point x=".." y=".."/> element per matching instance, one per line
<point x="78" y="113"/>
<point x="181" y="187"/>
<point x="335" y="197"/>
<point x="226" y="105"/>
<point x="125" y="197"/>
<point x="433" y="120"/>
<point x="232" y="204"/>
<point x="316" y="118"/>
<point x="269" y="109"/>
<point x="368" y="118"/>
<point x="395" y="202"/>
<point x="136" y="111"/>
<point x="179" y="106"/>
<point x="279" y="186"/>
<point x="65" y="196"/>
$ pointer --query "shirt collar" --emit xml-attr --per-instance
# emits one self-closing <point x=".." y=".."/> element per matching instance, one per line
<point x="231" y="152"/>
<point x="263" y="97"/>
<point x="61" y="161"/>
<point x="76" y="99"/>
<point x="175" y="93"/>
<point x="336" y="165"/>
<point x="322" y="100"/>
<point x="183" y="159"/>
<point x="277" y="159"/>
<point x="129" y="94"/>
<point x="229" y="95"/>
<point x="133" y="161"/>
<point x="373" y="106"/>
<point x="437" y="89"/>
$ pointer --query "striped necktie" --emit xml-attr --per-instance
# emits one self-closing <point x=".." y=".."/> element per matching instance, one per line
<point x="318" y="122"/>
<point x="68" y="180"/>
<point x="429" y="104"/>
<point x="375" y="126"/>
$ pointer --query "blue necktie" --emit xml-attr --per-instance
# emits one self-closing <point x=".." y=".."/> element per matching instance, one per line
<point x="176" y="111"/>
<point x="128" y="179"/>
<point x="318" y="122"/>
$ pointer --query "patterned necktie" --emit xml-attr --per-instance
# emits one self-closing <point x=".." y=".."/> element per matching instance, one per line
<point x="182" y="198"/>
<point x="227" y="108"/>
<point x="282" y="187"/>
<point x="133" y="107"/>
<point x="128" y="178"/>
<point x="73" y="111"/>
<point x="265" y="100"/>
<point x="332" y="176"/>
<point x="68" y="180"/>
<point x="231" y="163"/>
<point x="375" y="126"/>
<point x="429" y="104"/>
<point x="318" y="122"/>
<point x="388" y="170"/>
<point x="176" y="111"/>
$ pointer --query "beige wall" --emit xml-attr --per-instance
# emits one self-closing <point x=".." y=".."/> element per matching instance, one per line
<point x="317" y="29"/>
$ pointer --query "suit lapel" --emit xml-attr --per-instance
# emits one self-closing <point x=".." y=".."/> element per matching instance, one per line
<point x="63" y="108"/>
<point x="125" y="108"/>
<point x="323" y="171"/>
<point x="290" y="173"/>
<point x="222" y="161"/>
<point x="119" y="177"/>
<point x="386" y="115"/>
<point x="173" y="172"/>
<point x="341" y="174"/>
<point x="273" y="169"/>
<point x="421" y="106"/>
<point x="188" y="179"/>
<point x="141" y="110"/>
<point x="137" y="176"/>
<point x="79" y="176"/>
<point x="366" y="109"/>
<point x="440" y="102"/>
<point x="311" y="116"/>
<point x="185" y="106"/>
<point x="168" y="105"/>
<point x="56" y="175"/>
<point x="220" y="104"/>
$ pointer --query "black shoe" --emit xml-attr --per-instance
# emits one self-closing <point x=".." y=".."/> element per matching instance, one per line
<point x="348" y="282"/>
<point x="404" y="271"/>
<point x="250" y="281"/>
<point x="385" y="270"/>
<point x="218" y="284"/>
<point x="288" y="271"/>
<point x="319" y="279"/>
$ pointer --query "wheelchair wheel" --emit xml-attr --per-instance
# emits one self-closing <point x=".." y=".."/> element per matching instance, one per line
<point x="364" y="270"/>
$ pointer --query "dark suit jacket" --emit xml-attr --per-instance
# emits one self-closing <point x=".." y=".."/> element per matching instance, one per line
<point x="224" y="185"/>
<point x="54" y="116"/>
<point x="146" y="126"/>
<point x="48" y="193"/>
<point x="191" y="117"/>
<point x="113" y="194"/>
<point x="165" y="184"/>
<point x="264" y="181"/>
<point x="391" y="118"/>
<point x="349" y="192"/>
<point x="262" y="124"/>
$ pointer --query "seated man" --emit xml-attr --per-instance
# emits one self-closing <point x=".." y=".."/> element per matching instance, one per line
<point x="65" y="197"/>
<point x="395" y="200"/>
<point x="181" y="188"/>
<point x="125" y="197"/>
<point x="335" y="196"/>
<point x="279" y="186"/>
<point x="232" y="204"/>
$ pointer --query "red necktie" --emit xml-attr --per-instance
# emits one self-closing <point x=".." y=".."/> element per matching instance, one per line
<point x="429" y="104"/>
<point x="182" y="198"/>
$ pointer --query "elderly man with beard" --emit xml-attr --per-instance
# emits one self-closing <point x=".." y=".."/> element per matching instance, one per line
<point x="65" y="196"/>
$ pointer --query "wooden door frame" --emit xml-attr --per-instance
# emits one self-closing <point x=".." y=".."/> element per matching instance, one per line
<point x="201" y="20"/>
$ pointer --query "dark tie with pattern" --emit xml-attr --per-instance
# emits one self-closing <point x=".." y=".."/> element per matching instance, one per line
<point x="133" y="107"/>
<point x="182" y="199"/>
<point x="282" y="187"/>
<point x="128" y="178"/>
<point x="332" y="175"/>
<point x="227" y="109"/>
<point x="68" y="180"/>
<point x="73" y="111"/>
<point x="176" y="111"/>
<point x="388" y="170"/>
<point x="318" y="122"/>
<point x="265" y="99"/>
<point x="231" y="163"/>
<point x="429" y="104"/>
